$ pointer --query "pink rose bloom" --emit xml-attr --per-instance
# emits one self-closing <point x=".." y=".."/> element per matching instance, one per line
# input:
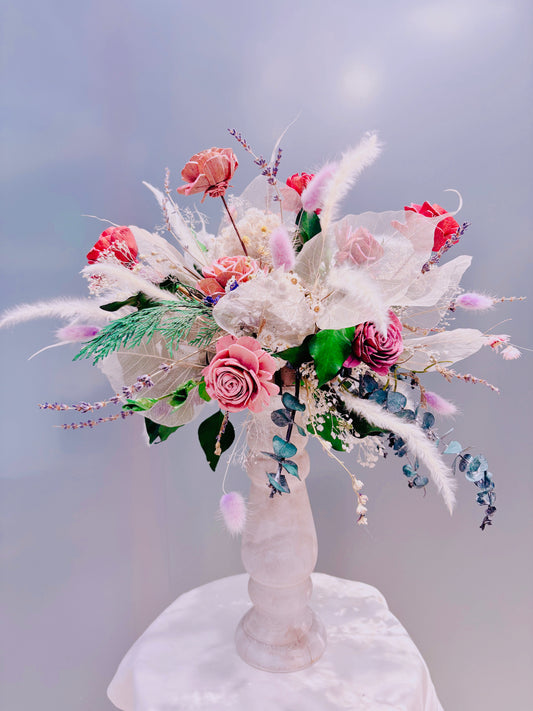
<point x="118" y="241"/>
<point x="377" y="351"/>
<point x="209" y="172"/>
<point x="445" y="228"/>
<point x="223" y="270"/>
<point x="299" y="181"/>
<point x="358" y="246"/>
<point x="240" y="375"/>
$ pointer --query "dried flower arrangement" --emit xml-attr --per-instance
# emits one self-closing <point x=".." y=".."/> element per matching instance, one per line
<point x="352" y="310"/>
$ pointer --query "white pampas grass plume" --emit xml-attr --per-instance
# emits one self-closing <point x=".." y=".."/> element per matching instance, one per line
<point x="233" y="510"/>
<point x="439" y="404"/>
<point x="312" y="196"/>
<point x="351" y="165"/>
<point x="474" y="302"/>
<point x="57" y="308"/>
<point x="125" y="279"/>
<point x="511" y="353"/>
<point x="281" y="249"/>
<point x="77" y="332"/>
<point x="417" y="442"/>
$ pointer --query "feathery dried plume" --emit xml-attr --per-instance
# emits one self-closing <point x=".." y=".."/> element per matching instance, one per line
<point x="417" y="442"/>
<point x="351" y="165"/>
<point x="233" y="510"/>
<point x="281" y="249"/>
<point x="312" y="196"/>
<point x="474" y="301"/>
<point x="128" y="281"/>
<point x="511" y="353"/>
<point x="439" y="404"/>
<point x="56" y="308"/>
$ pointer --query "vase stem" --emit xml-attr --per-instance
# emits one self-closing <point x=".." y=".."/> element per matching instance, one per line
<point x="280" y="633"/>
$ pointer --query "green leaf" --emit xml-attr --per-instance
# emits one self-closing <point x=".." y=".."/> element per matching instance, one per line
<point x="291" y="467"/>
<point x="363" y="427"/>
<point x="155" y="431"/>
<point x="297" y="355"/>
<point x="208" y="433"/>
<point x="309" y="225"/>
<point x="329" y="432"/>
<point x="179" y="396"/>
<point x="140" y="405"/>
<point x="280" y="485"/>
<point x="283" y="448"/>
<point x="139" y="300"/>
<point x="291" y="403"/>
<point x="202" y="392"/>
<point x="329" y="349"/>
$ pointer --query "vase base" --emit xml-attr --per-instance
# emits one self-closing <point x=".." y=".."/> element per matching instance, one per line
<point x="303" y="650"/>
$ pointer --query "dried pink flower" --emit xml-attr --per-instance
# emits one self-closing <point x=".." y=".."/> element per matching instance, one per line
<point x="233" y="509"/>
<point x="377" y="351"/>
<point x="209" y="172"/>
<point x="221" y="272"/>
<point x="511" y="353"/>
<point x="240" y="375"/>
<point x="313" y="193"/>
<point x="120" y="242"/>
<point x="444" y="230"/>
<point x="358" y="246"/>
<point x="75" y="333"/>
<point x="474" y="301"/>
<point x="439" y="404"/>
<point x="281" y="249"/>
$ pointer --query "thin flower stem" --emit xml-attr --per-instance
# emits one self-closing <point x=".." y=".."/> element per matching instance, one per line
<point x="234" y="225"/>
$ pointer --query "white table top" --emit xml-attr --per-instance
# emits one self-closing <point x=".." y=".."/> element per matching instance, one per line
<point x="186" y="659"/>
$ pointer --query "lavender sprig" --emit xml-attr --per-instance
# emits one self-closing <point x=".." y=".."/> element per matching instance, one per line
<point x="270" y="172"/>
<point x="450" y="242"/>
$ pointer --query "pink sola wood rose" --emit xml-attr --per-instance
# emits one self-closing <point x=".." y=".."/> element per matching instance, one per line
<point x="445" y="228"/>
<point x="377" y="351"/>
<point x="118" y="241"/>
<point x="209" y="172"/>
<point x="221" y="272"/>
<point x="358" y="246"/>
<point x="240" y="375"/>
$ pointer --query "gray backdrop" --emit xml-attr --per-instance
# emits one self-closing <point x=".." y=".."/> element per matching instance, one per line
<point x="100" y="533"/>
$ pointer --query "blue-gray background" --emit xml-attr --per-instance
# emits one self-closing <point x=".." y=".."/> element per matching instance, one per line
<point x="100" y="533"/>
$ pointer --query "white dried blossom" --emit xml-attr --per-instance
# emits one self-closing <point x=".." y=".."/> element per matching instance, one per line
<point x="255" y="228"/>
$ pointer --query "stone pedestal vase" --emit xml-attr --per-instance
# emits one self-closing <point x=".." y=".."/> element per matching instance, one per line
<point x="280" y="633"/>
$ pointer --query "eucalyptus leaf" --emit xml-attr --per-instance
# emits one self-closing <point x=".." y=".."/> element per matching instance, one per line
<point x="281" y="418"/>
<point x="291" y="467"/>
<point x="292" y="403"/>
<point x="428" y="420"/>
<point x="395" y="401"/>
<point x="280" y="485"/>
<point x="283" y="448"/>
<point x="453" y="447"/>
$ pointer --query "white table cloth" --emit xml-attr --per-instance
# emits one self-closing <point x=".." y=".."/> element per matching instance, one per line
<point x="187" y="660"/>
